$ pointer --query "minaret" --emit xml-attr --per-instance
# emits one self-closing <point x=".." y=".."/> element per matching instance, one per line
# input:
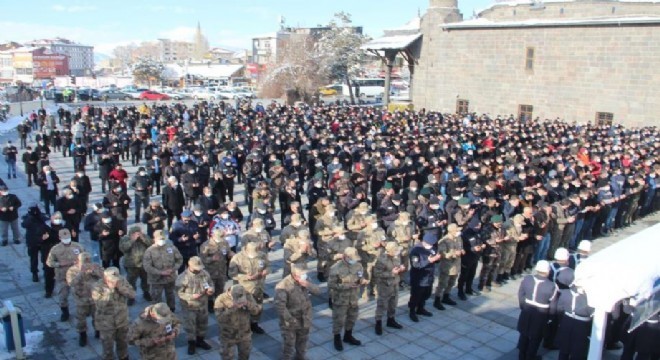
<point x="443" y="11"/>
<point x="201" y="45"/>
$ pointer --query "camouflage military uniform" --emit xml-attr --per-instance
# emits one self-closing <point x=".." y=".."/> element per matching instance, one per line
<point x="402" y="232"/>
<point x="61" y="258"/>
<point x="355" y="220"/>
<point x="261" y="238"/>
<point x="336" y="248"/>
<point x="449" y="264"/>
<point x="133" y="253"/>
<point x="156" y="260"/>
<point x="343" y="284"/>
<point x="508" y="249"/>
<point x="154" y="337"/>
<point x="195" y="310"/>
<point x="369" y="245"/>
<point x="294" y="307"/>
<point x="241" y="267"/>
<point x="214" y="255"/>
<point x="111" y="315"/>
<point x="81" y="283"/>
<point x="234" y="324"/>
<point x="295" y="254"/>
<point x="387" y="284"/>
<point x="291" y="231"/>
<point x="323" y="229"/>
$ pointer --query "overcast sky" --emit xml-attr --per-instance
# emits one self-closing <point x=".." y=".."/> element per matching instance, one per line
<point x="232" y="23"/>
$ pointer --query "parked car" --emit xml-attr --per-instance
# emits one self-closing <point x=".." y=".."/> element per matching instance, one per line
<point x="330" y="90"/>
<point x="88" y="95"/>
<point x="228" y="94"/>
<point x="115" y="95"/>
<point x="176" y="95"/>
<point x="153" y="95"/>
<point x="204" y="94"/>
<point x="244" y="92"/>
<point x="135" y="94"/>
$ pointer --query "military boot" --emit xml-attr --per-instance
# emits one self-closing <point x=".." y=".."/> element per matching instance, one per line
<point x="348" y="338"/>
<point x="35" y="277"/>
<point x="82" y="340"/>
<point x="413" y="316"/>
<point x="437" y="303"/>
<point x="338" y="345"/>
<point x="191" y="347"/>
<point x="393" y="324"/>
<point x="461" y="295"/>
<point x="256" y="329"/>
<point x="447" y="300"/>
<point x="65" y="314"/>
<point x="200" y="343"/>
<point x="379" y="327"/>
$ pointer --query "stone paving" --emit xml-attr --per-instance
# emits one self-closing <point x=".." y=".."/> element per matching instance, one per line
<point x="481" y="328"/>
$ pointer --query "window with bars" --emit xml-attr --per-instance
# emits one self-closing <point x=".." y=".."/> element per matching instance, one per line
<point x="529" y="59"/>
<point x="525" y="112"/>
<point x="604" y="118"/>
<point x="462" y="106"/>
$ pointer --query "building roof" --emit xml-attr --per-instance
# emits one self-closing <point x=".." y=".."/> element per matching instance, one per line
<point x="214" y="71"/>
<point x="531" y="2"/>
<point x="393" y="42"/>
<point x="414" y="24"/>
<point x="531" y="23"/>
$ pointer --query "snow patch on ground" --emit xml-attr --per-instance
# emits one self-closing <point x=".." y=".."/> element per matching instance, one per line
<point x="32" y="344"/>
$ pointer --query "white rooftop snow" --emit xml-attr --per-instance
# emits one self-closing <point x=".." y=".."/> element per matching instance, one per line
<point x="486" y="23"/>
<point x="391" y="42"/>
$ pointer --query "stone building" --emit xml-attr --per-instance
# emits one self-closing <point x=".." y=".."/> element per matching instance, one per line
<point x="576" y="60"/>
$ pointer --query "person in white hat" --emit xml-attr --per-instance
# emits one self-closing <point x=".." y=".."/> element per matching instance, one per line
<point x="537" y="297"/>
<point x="563" y="277"/>
<point x="583" y="251"/>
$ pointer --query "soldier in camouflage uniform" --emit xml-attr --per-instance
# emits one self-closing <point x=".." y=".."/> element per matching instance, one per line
<point x="61" y="257"/>
<point x="81" y="278"/>
<point x="451" y="248"/>
<point x="249" y="268"/>
<point x="258" y="235"/>
<point x="161" y="262"/>
<point x="370" y="245"/>
<point x="401" y="231"/>
<point x="508" y="248"/>
<point x="293" y="229"/>
<point x="194" y="286"/>
<point x="344" y="283"/>
<point x="215" y="253"/>
<point x="298" y="250"/>
<point x="386" y="273"/>
<point x="110" y="297"/>
<point x="134" y="246"/>
<point x="490" y="258"/>
<point x="154" y="331"/>
<point x="294" y="306"/>
<point x="355" y="220"/>
<point x="323" y="230"/>
<point x="234" y="310"/>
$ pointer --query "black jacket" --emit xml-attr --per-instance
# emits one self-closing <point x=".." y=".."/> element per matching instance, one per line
<point x="173" y="199"/>
<point x="35" y="227"/>
<point x="6" y="202"/>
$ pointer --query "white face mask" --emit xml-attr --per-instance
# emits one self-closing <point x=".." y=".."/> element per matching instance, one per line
<point x="107" y="221"/>
<point x="143" y="173"/>
<point x="374" y="226"/>
<point x="4" y="193"/>
<point x="258" y="229"/>
<point x="57" y="221"/>
<point x="331" y="213"/>
<point x="351" y="262"/>
<point x="66" y="241"/>
<point x="160" y="242"/>
<point x="198" y="213"/>
<point x="342" y="237"/>
<point x="303" y="277"/>
<point x="413" y="189"/>
<point x="224" y="217"/>
<point x="261" y="211"/>
<point x="296" y="224"/>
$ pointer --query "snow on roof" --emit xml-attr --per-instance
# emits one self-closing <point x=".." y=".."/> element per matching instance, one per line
<point x="485" y="23"/>
<point x="414" y="24"/>
<point x="391" y="42"/>
<point x="531" y="2"/>
<point x="214" y="70"/>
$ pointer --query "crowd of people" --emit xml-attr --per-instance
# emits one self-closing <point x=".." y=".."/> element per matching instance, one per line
<point x="381" y="201"/>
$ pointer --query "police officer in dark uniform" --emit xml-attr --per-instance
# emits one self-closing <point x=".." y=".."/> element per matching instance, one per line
<point x="575" y="324"/>
<point x="422" y="273"/>
<point x="537" y="297"/>
<point x="228" y="174"/>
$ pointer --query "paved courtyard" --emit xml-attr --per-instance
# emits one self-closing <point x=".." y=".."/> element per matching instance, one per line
<point x="481" y="328"/>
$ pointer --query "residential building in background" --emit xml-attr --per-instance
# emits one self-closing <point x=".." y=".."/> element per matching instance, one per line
<point x="81" y="57"/>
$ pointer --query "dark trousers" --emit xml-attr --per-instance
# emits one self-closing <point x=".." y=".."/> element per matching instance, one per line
<point x="141" y="203"/>
<point x="229" y="189"/>
<point x="49" y="278"/>
<point x="31" y="177"/>
<point x="468" y="272"/>
<point x="170" y="216"/>
<point x="155" y="183"/>
<point x="50" y="196"/>
<point x="33" y="252"/>
<point x="418" y="297"/>
<point x="528" y="347"/>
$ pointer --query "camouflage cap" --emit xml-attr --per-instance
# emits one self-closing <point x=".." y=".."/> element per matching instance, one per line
<point x="452" y="228"/>
<point x="257" y="222"/>
<point x="195" y="264"/>
<point x="111" y="273"/>
<point x="64" y="233"/>
<point x="84" y="258"/>
<point x="352" y="253"/>
<point x="237" y="292"/>
<point x="392" y="246"/>
<point x="160" y="311"/>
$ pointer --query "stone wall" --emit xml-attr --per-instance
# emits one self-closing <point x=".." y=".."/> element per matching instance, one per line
<point x="569" y="10"/>
<point x="578" y="71"/>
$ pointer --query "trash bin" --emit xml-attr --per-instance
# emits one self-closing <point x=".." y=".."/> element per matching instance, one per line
<point x="9" y="333"/>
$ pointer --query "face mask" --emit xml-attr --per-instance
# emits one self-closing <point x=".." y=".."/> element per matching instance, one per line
<point x="160" y="242"/>
<point x="198" y="213"/>
<point x="351" y="262"/>
<point x="303" y="277"/>
<point x="318" y="186"/>
<point x="81" y="174"/>
<point x="261" y="211"/>
<point x="107" y="221"/>
<point x="191" y="171"/>
<point x="296" y="224"/>
<point x="143" y="173"/>
<point x="374" y="226"/>
<point x="68" y="196"/>
<point x="331" y="213"/>
<point x="342" y="237"/>
<point x="413" y="189"/>
<point x="224" y="217"/>
<point x="258" y="229"/>
<point x="4" y="193"/>
<point x="57" y="221"/>
<point x="435" y="207"/>
<point x="66" y="241"/>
